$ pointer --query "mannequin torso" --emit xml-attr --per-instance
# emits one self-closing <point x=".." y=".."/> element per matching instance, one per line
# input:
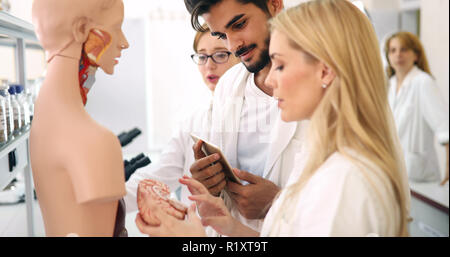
<point x="77" y="164"/>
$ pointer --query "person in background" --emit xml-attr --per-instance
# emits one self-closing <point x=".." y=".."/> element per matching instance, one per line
<point x="349" y="179"/>
<point x="419" y="109"/>
<point x="213" y="61"/>
<point x="212" y="57"/>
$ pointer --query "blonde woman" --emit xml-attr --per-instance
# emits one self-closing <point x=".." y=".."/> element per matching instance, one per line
<point x="419" y="109"/>
<point x="350" y="179"/>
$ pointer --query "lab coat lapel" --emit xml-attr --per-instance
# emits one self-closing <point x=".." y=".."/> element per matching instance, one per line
<point x="281" y="135"/>
<point x="406" y="84"/>
<point x="227" y="115"/>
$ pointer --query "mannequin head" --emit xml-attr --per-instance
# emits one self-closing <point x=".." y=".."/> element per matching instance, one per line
<point x="62" y="26"/>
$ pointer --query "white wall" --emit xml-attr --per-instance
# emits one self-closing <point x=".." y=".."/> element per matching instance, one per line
<point x="174" y="81"/>
<point x="435" y="38"/>
<point x="7" y="63"/>
<point x="21" y="9"/>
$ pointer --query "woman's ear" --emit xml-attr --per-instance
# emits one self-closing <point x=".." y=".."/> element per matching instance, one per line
<point x="328" y="75"/>
<point x="80" y="29"/>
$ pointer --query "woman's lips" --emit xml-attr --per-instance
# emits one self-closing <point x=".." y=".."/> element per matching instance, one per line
<point x="280" y="101"/>
<point x="212" y="78"/>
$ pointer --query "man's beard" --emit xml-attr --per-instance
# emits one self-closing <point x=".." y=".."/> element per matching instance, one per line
<point x="263" y="59"/>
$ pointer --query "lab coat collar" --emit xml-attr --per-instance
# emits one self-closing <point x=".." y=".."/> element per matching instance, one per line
<point x="407" y="80"/>
<point x="411" y="74"/>
<point x="226" y="115"/>
<point x="281" y="135"/>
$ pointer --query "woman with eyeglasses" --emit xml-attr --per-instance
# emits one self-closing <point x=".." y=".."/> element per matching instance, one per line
<point x="213" y="60"/>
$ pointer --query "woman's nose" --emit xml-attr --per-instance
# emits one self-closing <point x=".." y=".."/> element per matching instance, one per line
<point x="270" y="81"/>
<point x="210" y="64"/>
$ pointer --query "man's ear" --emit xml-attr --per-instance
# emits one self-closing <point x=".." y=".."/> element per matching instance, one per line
<point x="80" y="29"/>
<point x="328" y="74"/>
<point x="275" y="6"/>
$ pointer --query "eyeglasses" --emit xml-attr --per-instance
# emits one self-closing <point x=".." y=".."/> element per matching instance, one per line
<point x="217" y="57"/>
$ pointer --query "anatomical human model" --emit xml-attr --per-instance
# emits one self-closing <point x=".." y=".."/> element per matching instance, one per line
<point x="77" y="164"/>
<point x="157" y="193"/>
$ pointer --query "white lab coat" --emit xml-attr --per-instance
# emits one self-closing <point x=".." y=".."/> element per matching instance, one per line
<point x="285" y="137"/>
<point x="342" y="198"/>
<point x="420" y="114"/>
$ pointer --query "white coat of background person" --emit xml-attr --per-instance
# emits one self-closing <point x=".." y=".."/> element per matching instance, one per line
<point x="420" y="111"/>
<point x="213" y="60"/>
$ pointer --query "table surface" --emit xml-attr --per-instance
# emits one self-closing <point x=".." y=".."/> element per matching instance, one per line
<point x="433" y="191"/>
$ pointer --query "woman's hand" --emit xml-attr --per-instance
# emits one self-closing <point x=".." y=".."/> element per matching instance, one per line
<point x="212" y="209"/>
<point x="170" y="226"/>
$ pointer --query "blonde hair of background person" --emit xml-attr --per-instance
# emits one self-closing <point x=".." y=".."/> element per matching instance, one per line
<point x="409" y="41"/>
<point x="354" y="112"/>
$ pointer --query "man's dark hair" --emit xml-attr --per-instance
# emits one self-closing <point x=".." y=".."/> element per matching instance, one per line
<point x="199" y="7"/>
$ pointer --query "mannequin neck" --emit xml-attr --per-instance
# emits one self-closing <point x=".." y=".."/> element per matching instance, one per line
<point x="62" y="75"/>
<point x="62" y="80"/>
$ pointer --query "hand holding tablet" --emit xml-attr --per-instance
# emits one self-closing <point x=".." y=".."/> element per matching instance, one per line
<point x="209" y="149"/>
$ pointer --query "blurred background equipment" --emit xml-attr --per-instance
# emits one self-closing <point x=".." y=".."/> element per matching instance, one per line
<point x="126" y="137"/>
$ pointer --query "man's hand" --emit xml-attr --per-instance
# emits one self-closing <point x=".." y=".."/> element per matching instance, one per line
<point x="253" y="200"/>
<point x="207" y="170"/>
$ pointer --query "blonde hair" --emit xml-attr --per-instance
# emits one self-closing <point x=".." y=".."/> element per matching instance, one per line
<point x="412" y="42"/>
<point x="354" y="113"/>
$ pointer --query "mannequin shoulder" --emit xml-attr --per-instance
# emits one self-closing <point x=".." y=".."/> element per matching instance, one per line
<point x="94" y="135"/>
<point x="94" y="148"/>
<point x="81" y="134"/>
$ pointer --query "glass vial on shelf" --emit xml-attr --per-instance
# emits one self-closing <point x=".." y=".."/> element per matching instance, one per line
<point x="3" y="122"/>
<point x="16" y="110"/>
<point x="30" y="101"/>
<point x="8" y="109"/>
<point x="25" y="110"/>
